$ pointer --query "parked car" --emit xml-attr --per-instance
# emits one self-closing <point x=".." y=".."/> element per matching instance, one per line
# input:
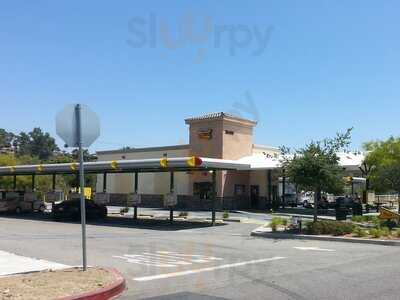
<point x="71" y="210"/>
<point x="20" y="201"/>
<point x="291" y="200"/>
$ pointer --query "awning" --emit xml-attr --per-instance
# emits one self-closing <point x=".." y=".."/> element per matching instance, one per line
<point x="126" y="166"/>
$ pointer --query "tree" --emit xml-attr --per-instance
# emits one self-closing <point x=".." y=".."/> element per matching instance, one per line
<point x="384" y="159"/>
<point x="316" y="166"/>
<point x="36" y="143"/>
<point x="6" y="138"/>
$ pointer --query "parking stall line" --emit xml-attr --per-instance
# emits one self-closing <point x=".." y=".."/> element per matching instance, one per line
<point x="209" y="269"/>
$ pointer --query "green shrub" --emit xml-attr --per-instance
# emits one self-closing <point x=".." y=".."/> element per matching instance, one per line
<point x="385" y="231"/>
<point x="376" y="233"/>
<point x="330" y="227"/>
<point x="388" y="223"/>
<point x="284" y="222"/>
<point x="225" y="215"/>
<point x="397" y="233"/>
<point x="275" y="222"/>
<point x="359" y="232"/>
<point x="358" y="219"/>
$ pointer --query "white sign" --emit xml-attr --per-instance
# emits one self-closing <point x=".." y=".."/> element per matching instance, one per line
<point x="134" y="199"/>
<point x="66" y="125"/>
<point x="170" y="199"/>
<point x="371" y="198"/>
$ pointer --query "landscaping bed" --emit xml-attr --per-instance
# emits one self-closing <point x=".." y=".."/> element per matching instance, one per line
<point x="365" y="227"/>
<point x="55" y="284"/>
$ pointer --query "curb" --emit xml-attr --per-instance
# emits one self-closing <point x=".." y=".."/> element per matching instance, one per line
<point x="109" y="292"/>
<point x="275" y="235"/>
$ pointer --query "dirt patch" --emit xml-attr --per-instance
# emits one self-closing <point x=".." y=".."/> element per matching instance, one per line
<point x="53" y="284"/>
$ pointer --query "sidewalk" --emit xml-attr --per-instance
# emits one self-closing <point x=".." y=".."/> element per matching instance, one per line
<point x="14" y="264"/>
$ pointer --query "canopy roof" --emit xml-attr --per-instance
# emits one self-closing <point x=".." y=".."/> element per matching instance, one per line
<point x="124" y="166"/>
<point x="349" y="161"/>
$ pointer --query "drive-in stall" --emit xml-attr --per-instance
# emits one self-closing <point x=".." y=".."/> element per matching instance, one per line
<point x="153" y="165"/>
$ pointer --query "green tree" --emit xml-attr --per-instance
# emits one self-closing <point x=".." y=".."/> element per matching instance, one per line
<point x="36" y="143"/>
<point x="316" y="166"/>
<point x="6" y="138"/>
<point x="384" y="159"/>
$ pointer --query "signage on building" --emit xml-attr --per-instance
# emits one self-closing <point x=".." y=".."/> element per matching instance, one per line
<point x="205" y="134"/>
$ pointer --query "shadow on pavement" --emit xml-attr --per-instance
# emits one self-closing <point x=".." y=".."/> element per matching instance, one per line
<point x="183" y="296"/>
<point x="126" y="222"/>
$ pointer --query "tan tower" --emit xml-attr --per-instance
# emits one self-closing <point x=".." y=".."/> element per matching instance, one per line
<point x="223" y="136"/>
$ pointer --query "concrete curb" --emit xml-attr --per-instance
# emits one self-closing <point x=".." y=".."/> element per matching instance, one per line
<point x="109" y="292"/>
<point x="277" y="235"/>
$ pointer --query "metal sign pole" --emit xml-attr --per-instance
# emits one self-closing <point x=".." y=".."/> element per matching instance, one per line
<point x="82" y="184"/>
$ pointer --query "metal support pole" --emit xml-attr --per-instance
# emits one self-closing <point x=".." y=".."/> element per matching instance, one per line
<point x="283" y="188"/>
<point x="104" y="182"/>
<point x="269" y="176"/>
<point x="82" y="183"/>
<point x="54" y="183"/>
<point x="14" y="182"/>
<point x="136" y="190"/>
<point x="171" y="189"/>
<point x="214" y="196"/>
<point x="33" y="183"/>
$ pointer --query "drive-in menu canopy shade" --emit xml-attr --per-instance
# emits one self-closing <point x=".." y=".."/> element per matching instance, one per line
<point x="67" y="130"/>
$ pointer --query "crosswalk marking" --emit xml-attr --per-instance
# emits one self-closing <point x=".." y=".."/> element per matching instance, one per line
<point x="166" y="259"/>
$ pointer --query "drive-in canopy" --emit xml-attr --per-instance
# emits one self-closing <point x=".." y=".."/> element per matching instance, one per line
<point x="124" y="166"/>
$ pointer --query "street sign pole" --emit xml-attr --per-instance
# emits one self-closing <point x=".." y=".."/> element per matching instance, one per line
<point x="82" y="184"/>
<point x="79" y="127"/>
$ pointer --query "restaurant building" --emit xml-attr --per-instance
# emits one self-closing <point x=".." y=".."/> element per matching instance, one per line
<point x="217" y="135"/>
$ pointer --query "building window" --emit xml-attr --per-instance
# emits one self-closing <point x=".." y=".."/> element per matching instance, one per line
<point x="240" y="189"/>
<point x="202" y="189"/>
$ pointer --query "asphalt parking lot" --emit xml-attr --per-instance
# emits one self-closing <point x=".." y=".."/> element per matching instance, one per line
<point x="190" y="261"/>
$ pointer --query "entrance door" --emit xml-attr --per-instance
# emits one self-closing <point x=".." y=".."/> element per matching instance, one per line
<point x="254" y="195"/>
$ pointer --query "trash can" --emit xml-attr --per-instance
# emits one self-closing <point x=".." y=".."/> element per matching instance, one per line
<point x="357" y="209"/>
<point x="341" y="213"/>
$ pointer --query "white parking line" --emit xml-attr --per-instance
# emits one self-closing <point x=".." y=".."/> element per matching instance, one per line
<point x="314" y="249"/>
<point x="165" y="259"/>
<point x="191" y="272"/>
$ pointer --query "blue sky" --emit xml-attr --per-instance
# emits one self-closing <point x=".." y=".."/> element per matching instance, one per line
<point x="325" y="66"/>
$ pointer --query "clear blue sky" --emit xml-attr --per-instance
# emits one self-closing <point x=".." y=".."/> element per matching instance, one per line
<point x="327" y="66"/>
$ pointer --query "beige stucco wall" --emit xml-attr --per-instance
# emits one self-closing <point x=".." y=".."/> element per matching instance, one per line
<point x="149" y="183"/>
